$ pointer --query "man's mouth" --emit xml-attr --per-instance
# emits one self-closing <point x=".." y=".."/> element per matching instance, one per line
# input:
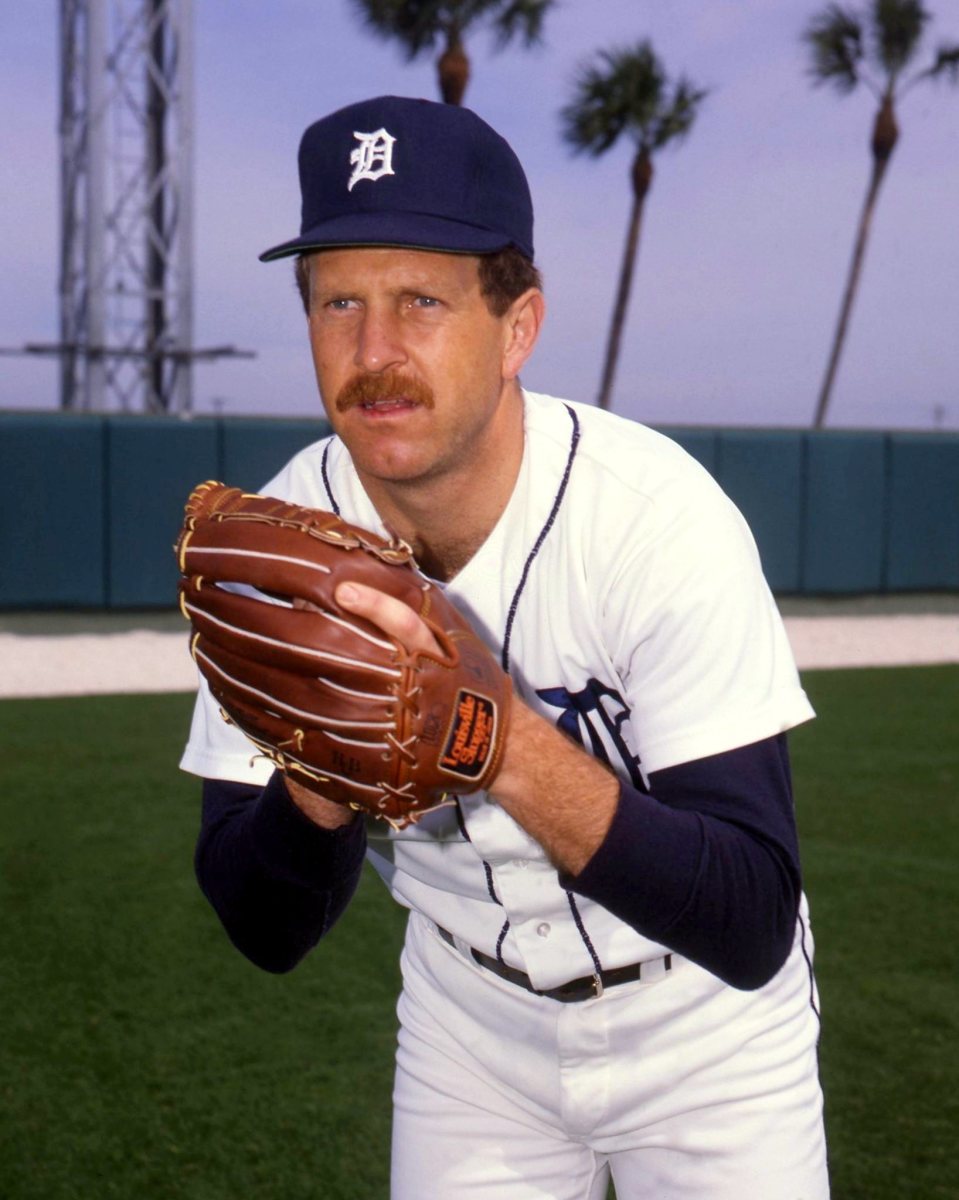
<point x="388" y="404"/>
<point x="391" y="392"/>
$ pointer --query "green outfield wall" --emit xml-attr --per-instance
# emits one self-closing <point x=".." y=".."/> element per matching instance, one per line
<point x="90" y="505"/>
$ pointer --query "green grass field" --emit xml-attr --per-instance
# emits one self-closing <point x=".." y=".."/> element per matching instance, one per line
<point x="142" y="1057"/>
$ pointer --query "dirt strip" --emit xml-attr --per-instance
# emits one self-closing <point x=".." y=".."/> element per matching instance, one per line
<point x="148" y="660"/>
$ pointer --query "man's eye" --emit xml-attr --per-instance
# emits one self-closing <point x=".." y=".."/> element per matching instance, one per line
<point x="425" y="302"/>
<point x="340" y="305"/>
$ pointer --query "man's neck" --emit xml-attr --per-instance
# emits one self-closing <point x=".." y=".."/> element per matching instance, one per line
<point x="448" y="518"/>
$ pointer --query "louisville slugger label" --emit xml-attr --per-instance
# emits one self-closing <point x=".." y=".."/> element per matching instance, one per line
<point x="471" y="736"/>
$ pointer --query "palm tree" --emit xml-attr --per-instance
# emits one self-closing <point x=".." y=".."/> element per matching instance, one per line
<point x="627" y="91"/>
<point x="422" y="24"/>
<point x="874" y="48"/>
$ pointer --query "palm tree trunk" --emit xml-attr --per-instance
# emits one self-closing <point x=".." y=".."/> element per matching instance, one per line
<point x="453" y="70"/>
<point x="884" y="138"/>
<point x="642" y="177"/>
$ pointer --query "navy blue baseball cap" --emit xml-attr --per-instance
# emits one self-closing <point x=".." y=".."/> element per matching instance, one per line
<point x="399" y="172"/>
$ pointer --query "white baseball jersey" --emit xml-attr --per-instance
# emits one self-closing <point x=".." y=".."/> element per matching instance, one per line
<point x="623" y="592"/>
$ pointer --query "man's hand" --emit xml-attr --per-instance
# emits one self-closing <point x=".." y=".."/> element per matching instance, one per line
<point x="394" y="618"/>
<point x="399" y="621"/>
<point x="556" y="791"/>
<point x="391" y="615"/>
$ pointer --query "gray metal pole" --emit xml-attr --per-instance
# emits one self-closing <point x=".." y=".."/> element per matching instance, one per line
<point x="184" y="258"/>
<point x="71" y="41"/>
<point x="156" y="234"/>
<point x="95" y="155"/>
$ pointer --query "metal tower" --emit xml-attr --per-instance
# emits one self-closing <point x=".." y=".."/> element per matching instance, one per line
<point x="126" y="148"/>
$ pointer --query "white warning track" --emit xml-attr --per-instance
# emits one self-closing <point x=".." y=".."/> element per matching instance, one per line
<point x="85" y="664"/>
<point x="144" y="660"/>
<point x="902" y="640"/>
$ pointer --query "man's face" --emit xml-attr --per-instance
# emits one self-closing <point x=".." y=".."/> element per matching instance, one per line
<point x="411" y="364"/>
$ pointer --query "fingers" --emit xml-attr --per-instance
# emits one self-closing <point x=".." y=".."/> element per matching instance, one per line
<point x="394" y="617"/>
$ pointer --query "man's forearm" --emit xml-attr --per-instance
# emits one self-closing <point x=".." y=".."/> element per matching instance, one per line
<point x="557" y="792"/>
<point x="706" y="864"/>
<point x="277" y="880"/>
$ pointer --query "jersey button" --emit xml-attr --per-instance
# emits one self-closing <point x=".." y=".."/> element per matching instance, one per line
<point x="521" y="863"/>
<point x="543" y="930"/>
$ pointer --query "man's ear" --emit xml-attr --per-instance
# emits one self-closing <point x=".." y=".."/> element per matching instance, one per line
<point x="523" y="323"/>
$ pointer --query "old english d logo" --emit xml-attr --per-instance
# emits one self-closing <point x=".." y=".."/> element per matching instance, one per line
<point x="470" y="737"/>
<point x="372" y="158"/>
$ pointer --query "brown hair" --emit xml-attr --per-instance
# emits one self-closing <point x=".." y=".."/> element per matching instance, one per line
<point x="504" y="276"/>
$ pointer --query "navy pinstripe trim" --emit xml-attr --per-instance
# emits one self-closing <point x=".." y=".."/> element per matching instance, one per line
<point x="812" y="981"/>
<point x="550" y="520"/>
<point x="490" y="886"/>
<point x="560" y="493"/>
<point x="326" y="478"/>
<point x="490" y="882"/>
<point x="514" y="605"/>
<point x="500" y="940"/>
<point x="587" y="942"/>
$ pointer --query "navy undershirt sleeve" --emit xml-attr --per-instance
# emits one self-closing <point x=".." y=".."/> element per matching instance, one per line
<point x="277" y="881"/>
<point x="707" y="863"/>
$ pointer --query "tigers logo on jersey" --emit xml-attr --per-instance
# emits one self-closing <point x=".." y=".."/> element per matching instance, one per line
<point x="372" y="158"/>
<point x="598" y="718"/>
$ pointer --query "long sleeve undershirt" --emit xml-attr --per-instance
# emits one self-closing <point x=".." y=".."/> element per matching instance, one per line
<point x="707" y="864"/>
<point x="277" y="881"/>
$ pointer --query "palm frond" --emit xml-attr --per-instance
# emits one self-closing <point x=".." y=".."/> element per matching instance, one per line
<point x="619" y="90"/>
<point x="946" y="64"/>
<point x="419" y="25"/>
<point x="896" y="28"/>
<point x="588" y="123"/>
<point x="521" y="18"/>
<point x="680" y="113"/>
<point x="416" y="24"/>
<point x="835" y="38"/>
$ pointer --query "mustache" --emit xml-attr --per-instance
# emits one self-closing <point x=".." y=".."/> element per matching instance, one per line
<point x="391" y="385"/>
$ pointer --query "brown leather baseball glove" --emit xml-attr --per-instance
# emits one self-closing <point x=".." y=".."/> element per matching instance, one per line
<point x="330" y="698"/>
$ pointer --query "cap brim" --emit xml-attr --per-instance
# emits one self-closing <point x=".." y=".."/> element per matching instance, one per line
<point x="411" y="230"/>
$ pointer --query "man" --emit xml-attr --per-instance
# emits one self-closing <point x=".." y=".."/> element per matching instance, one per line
<point x="608" y="961"/>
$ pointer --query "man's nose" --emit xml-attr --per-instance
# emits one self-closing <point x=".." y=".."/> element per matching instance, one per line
<point x="379" y="344"/>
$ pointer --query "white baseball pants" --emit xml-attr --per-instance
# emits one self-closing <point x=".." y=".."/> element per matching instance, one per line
<point x="681" y="1088"/>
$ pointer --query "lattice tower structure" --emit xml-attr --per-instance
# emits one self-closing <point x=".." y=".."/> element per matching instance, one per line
<point x="126" y="166"/>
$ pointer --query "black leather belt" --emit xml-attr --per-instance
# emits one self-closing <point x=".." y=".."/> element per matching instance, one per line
<point x="585" y="988"/>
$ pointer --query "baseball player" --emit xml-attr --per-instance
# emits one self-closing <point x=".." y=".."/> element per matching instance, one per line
<point x="608" y="961"/>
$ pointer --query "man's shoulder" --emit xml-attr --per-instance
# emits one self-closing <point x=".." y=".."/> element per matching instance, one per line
<point x="613" y="449"/>
<point x="304" y="477"/>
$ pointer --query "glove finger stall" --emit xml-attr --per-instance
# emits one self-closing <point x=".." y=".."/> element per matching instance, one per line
<point x="299" y="753"/>
<point x="309" y="701"/>
<point x="232" y="551"/>
<point x="296" y="639"/>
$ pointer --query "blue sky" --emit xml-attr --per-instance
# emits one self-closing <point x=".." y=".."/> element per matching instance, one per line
<point x="747" y="236"/>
